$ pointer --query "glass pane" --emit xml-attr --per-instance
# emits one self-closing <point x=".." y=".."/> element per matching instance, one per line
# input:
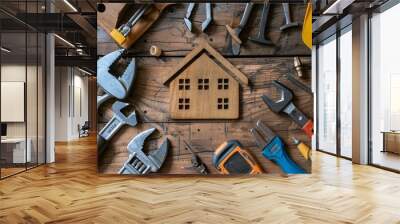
<point x="31" y="98"/>
<point x="13" y="87"/>
<point x="327" y="96"/>
<point x="346" y="94"/>
<point x="41" y="99"/>
<point x="385" y="85"/>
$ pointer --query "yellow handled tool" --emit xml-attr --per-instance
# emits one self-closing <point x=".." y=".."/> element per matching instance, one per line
<point x="127" y="34"/>
<point x="307" y="27"/>
<point x="303" y="148"/>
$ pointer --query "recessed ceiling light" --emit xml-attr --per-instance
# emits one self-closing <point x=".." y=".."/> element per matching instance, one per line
<point x="84" y="71"/>
<point x="64" y="40"/>
<point x="5" y="49"/>
<point x="70" y="5"/>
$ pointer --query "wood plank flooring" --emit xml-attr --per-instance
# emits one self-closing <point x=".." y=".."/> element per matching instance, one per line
<point x="70" y="191"/>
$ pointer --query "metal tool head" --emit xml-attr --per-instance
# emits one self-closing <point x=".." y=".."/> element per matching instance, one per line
<point x="187" y="21"/>
<point x="208" y="19"/>
<point x="262" y="134"/>
<point x="120" y="86"/>
<point x="289" y="25"/>
<point x="151" y="162"/>
<point x="117" y="108"/>
<point x="188" y="24"/>
<point x="138" y="141"/>
<point x="285" y="99"/>
<point x="261" y="40"/>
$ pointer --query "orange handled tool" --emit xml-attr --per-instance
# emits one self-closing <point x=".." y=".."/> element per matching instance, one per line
<point x="231" y="158"/>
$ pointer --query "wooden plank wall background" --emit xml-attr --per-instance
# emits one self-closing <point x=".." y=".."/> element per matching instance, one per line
<point x="261" y="64"/>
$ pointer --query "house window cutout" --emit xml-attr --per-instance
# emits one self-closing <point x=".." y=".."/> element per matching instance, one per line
<point x="223" y="104"/>
<point x="223" y="83"/>
<point x="184" y="104"/>
<point x="203" y="84"/>
<point x="184" y="84"/>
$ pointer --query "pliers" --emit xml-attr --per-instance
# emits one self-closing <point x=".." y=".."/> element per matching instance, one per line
<point x="204" y="24"/>
<point x="273" y="148"/>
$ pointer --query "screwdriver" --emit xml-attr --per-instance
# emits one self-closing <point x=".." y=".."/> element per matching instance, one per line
<point x="304" y="150"/>
<point x="196" y="161"/>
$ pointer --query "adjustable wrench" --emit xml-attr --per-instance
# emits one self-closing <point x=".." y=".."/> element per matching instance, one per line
<point x="288" y="20"/>
<point x="260" y="38"/>
<point x="140" y="163"/>
<point x="235" y="45"/>
<point x="113" y="125"/>
<point x="285" y="104"/>
<point x="274" y="149"/>
<point x="205" y="23"/>
<point x="117" y="87"/>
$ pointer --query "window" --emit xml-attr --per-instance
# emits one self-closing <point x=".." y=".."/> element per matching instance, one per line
<point x="223" y="83"/>
<point x="223" y="103"/>
<point x="184" y="84"/>
<point x="385" y="88"/>
<point x="184" y="104"/>
<point x="203" y="84"/>
<point x="326" y="104"/>
<point x="346" y="74"/>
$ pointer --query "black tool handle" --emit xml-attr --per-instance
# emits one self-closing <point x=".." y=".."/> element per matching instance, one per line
<point x="101" y="146"/>
<point x="298" y="116"/>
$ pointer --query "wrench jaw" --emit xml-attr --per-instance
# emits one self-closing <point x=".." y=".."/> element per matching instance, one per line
<point x="138" y="141"/>
<point x="106" y="61"/>
<point x="128" y="77"/>
<point x="280" y="105"/>
<point x="116" y="86"/>
<point x="140" y="163"/>
<point x="188" y="24"/>
<point x="158" y="156"/>
<point x="117" y="108"/>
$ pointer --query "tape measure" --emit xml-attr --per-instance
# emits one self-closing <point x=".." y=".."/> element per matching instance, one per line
<point x="231" y="158"/>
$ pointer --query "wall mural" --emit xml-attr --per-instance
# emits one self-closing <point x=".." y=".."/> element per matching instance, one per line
<point x="203" y="88"/>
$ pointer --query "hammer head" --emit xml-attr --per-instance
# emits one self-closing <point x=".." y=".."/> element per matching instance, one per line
<point x="286" y="98"/>
<point x="117" y="108"/>
<point x="118" y="87"/>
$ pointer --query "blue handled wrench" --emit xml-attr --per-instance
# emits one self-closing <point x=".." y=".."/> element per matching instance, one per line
<point x="274" y="149"/>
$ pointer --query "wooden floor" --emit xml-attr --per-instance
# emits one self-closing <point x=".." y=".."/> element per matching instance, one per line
<point x="70" y="191"/>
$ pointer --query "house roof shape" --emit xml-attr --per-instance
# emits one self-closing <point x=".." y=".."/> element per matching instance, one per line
<point x="204" y="47"/>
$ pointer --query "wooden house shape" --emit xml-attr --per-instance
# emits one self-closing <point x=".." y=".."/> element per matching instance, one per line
<point x="204" y="85"/>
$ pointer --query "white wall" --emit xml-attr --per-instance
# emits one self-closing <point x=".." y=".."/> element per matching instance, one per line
<point x="71" y="102"/>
